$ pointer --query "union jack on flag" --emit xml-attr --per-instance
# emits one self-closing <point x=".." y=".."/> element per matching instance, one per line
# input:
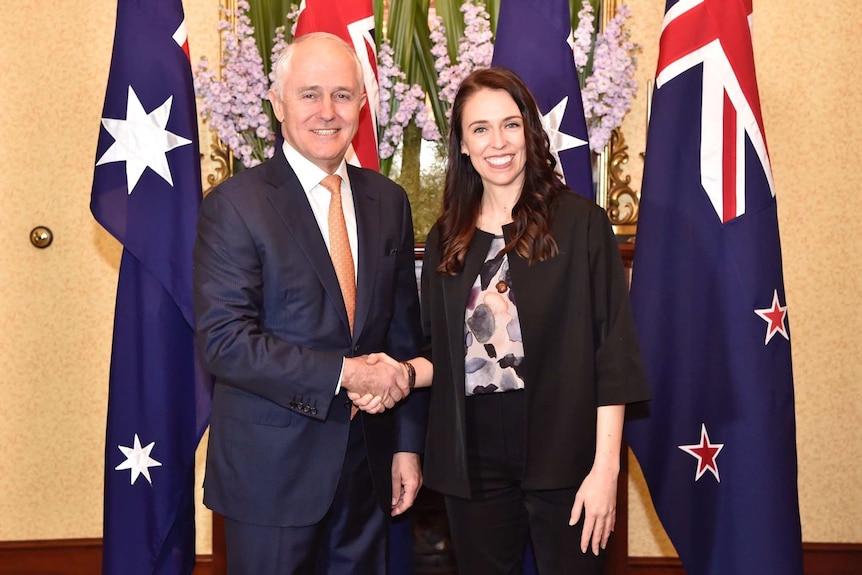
<point x="717" y="35"/>
<point x="718" y="450"/>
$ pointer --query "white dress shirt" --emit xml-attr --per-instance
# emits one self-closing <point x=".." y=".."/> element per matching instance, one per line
<point x="310" y="177"/>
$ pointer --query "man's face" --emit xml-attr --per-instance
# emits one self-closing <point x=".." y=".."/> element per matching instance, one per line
<point x="320" y="102"/>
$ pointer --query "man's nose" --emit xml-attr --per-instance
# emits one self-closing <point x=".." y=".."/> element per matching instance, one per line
<point x="327" y="108"/>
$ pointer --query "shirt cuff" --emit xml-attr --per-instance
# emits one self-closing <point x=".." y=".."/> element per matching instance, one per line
<point x="340" y="375"/>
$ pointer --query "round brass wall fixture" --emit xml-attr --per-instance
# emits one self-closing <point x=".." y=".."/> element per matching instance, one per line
<point x="41" y="237"/>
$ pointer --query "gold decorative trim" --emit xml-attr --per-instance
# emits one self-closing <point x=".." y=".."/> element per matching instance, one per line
<point x="614" y="191"/>
<point x="220" y="154"/>
<point x="623" y="203"/>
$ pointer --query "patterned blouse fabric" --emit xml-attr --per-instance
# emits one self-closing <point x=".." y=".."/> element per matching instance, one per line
<point x="493" y="346"/>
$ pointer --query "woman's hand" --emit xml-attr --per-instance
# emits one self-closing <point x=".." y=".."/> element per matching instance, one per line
<point x="597" y="501"/>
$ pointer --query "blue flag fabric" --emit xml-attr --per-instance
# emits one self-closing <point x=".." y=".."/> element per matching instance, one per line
<point x="718" y="450"/>
<point x="532" y="41"/>
<point x="146" y="193"/>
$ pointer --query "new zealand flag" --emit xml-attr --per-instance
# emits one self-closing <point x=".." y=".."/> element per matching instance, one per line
<point x="146" y="193"/>
<point x="719" y="448"/>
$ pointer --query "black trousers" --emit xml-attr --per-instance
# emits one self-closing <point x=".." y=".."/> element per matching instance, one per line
<point x="490" y="531"/>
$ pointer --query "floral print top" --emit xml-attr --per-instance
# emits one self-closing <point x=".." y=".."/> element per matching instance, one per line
<point x="493" y="346"/>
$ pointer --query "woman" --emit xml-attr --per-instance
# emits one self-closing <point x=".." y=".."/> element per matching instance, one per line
<point x="534" y="351"/>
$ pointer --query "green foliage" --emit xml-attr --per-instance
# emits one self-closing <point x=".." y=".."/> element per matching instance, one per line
<point x="266" y="16"/>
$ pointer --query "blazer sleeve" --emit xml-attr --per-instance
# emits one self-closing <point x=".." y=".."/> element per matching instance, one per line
<point x="620" y="375"/>
<point x="405" y="336"/>
<point x="228" y="300"/>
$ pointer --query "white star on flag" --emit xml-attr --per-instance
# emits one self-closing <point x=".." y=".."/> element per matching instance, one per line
<point x="138" y="460"/>
<point x="706" y="454"/>
<point x="775" y="317"/>
<point x="560" y="141"/>
<point x="141" y="140"/>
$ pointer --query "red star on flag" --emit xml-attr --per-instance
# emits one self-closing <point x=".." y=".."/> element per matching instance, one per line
<point x="775" y="317"/>
<point x="706" y="454"/>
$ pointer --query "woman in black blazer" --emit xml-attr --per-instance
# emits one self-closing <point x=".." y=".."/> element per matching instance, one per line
<point x="534" y="351"/>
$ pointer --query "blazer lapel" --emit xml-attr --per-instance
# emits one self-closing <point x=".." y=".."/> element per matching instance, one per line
<point x="368" y="222"/>
<point x="456" y="290"/>
<point x="290" y="202"/>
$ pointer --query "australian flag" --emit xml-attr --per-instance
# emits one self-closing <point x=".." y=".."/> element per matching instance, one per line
<point x="719" y="448"/>
<point x="532" y="40"/>
<point x="146" y="192"/>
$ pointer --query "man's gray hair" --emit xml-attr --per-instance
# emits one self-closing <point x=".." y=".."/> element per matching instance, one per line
<point x="282" y="65"/>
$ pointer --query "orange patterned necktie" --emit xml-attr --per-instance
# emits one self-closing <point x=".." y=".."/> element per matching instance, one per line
<point x="339" y="251"/>
<point x="339" y="247"/>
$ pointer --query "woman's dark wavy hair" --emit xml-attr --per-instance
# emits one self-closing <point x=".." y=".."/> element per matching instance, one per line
<point x="532" y="214"/>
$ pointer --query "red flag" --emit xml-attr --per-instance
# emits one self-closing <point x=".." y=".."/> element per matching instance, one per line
<point x="353" y="21"/>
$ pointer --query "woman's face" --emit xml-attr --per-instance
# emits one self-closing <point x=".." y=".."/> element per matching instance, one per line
<point x="493" y="137"/>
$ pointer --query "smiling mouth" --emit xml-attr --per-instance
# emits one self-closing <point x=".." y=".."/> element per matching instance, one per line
<point x="500" y="160"/>
<point x="329" y="132"/>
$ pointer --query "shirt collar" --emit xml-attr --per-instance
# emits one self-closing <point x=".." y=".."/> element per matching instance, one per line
<point x="308" y="174"/>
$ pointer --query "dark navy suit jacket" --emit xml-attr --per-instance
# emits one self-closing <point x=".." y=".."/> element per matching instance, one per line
<point x="273" y="330"/>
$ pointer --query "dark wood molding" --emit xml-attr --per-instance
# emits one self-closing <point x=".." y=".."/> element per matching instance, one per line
<point x="78" y="556"/>
<point x="832" y="558"/>
<point x="817" y="559"/>
<point x="55" y="557"/>
<point x="655" y="566"/>
<point x="64" y="557"/>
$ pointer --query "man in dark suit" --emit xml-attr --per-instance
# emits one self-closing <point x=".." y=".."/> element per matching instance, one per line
<point x="306" y="487"/>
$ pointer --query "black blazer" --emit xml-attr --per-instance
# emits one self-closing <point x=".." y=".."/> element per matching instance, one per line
<point x="273" y="330"/>
<point x="580" y="349"/>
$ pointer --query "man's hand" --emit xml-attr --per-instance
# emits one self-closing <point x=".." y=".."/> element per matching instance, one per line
<point x="376" y="396"/>
<point x="406" y="481"/>
<point x="403" y="379"/>
<point x="378" y="379"/>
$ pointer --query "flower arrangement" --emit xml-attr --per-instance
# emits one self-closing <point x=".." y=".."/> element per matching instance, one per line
<point x="235" y="106"/>
<point x="605" y="60"/>
<point x="606" y="72"/>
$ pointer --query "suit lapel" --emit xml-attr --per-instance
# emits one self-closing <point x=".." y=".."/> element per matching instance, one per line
<point x="368" y="222"/>
<point x="290" y="202"/>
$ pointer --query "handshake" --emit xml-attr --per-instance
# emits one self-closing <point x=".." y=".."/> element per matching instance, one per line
<point x="376" y="382"/>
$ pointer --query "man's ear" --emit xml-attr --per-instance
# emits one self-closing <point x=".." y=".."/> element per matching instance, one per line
<point x="277" y="105"/>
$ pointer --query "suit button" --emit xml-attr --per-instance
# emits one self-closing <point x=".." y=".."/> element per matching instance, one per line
<point x="356" y="349"/>
<point x="313" y="411"/>
<point x="348" y="403"/>
<point x="292" y="405"/>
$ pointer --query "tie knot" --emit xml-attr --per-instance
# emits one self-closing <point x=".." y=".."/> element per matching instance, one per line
<point x="332" y="183"/>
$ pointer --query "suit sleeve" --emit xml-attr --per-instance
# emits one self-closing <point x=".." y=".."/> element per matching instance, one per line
<point x="228" y="299"/>
<point x="404" y="337"/>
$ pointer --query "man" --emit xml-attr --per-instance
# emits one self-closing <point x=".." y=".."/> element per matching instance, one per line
<point x="304" y="486"/>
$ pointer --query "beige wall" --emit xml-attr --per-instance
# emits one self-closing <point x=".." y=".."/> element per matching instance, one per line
<point x="56" y="305"/>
